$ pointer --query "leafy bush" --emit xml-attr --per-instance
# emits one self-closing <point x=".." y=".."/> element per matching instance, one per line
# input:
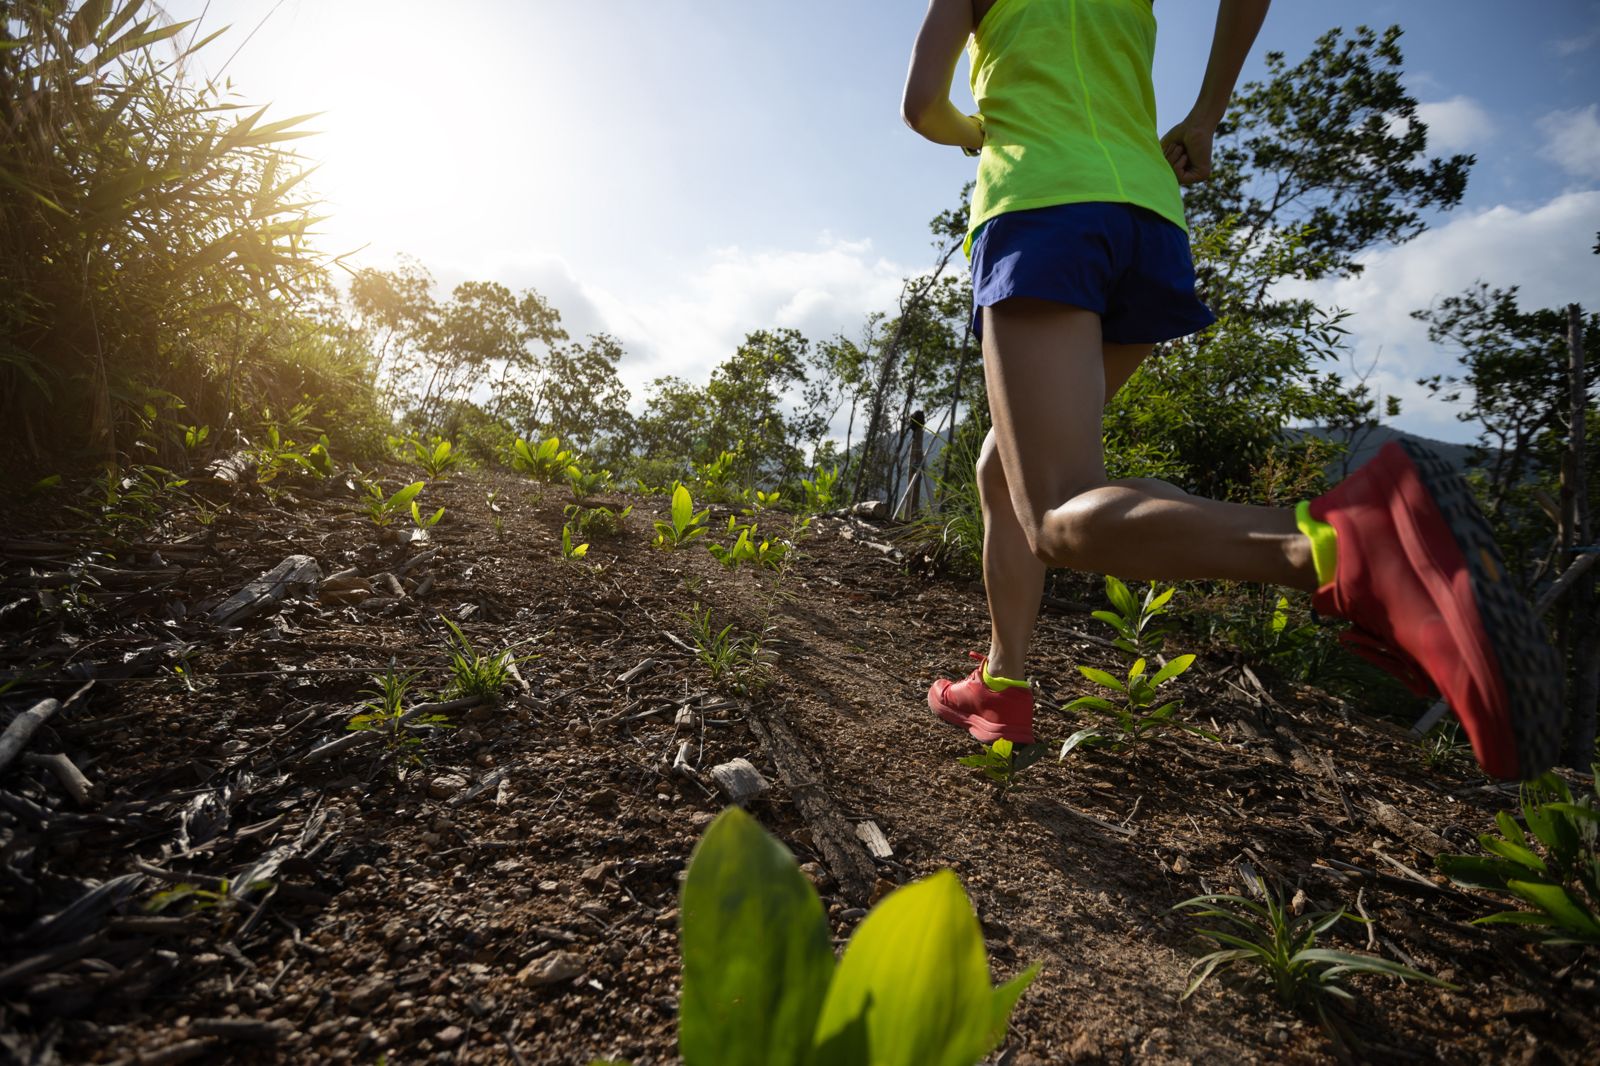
<point x="545" y="461"/>
<point x="760" y="983"/>
<point x="1132" y="717"/>
<point x="684" y="523"/>
<point x="1133" y="620"/>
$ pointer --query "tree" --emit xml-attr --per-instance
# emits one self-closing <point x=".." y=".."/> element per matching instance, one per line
<point x="1329" y="147"/>
<point x="586" y="403"/>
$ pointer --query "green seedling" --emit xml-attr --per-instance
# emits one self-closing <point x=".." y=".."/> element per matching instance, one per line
<point x="735" y="661"/>
<point x="425" y="523"/>
<point x="586" y="485"/>
<point x="760" y="983"/>
<point x="545" y="461"/>
<point x="278" y="455"/>
<point x="383" y="510"/>
<point x="1133" y="620"/>
<point x="1267" y="940"/>
<point x="1442" y="746"/>
<point x="569" y="551"/>
<point x="437" y="458"/>
<point x="490" y="500"/>
<point x="820" y="490"/>
<point x="385" y="714"/>
<point x="1133" y="716"/>
<point x="473" y="673"/>
<point x="194" y="436"/>
<point x="595" y="522"/>
<point x="1562" y="884"/>
<point x="1001" y="761"/>
<point x="749" y="548"/>
<point x="764" y="501"/>
<point x="685" y="525"/>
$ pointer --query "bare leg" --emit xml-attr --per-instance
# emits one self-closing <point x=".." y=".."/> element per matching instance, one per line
<point x="1046" y="392"/>
<point x="1013" y="577"/>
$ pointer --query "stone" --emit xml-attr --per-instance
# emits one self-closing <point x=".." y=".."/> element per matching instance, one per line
<point x="595" y="876"/>
<point x="446" y="785"/>
<point x="739" y="779"/>
<point x="449" y="1036"/>
<point x="552" y="969"/>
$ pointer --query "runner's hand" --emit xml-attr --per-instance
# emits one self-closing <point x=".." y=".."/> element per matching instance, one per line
<point x="1187" y="147"/>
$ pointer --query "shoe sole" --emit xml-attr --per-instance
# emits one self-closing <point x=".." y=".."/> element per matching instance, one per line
<point x="1528" y="668"/>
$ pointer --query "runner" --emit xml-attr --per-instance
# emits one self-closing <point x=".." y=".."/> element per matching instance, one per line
<point x="1080" y="266"/>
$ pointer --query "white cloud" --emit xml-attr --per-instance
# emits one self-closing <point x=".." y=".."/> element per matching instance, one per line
<point x="688" y="331"/>
<point x="1572" y="140"/>
<point x="1459" y="124"/>
<point x="1545" y="251"/>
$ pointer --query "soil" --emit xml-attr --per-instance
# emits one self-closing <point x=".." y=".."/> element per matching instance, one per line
<point x="512" y="898"/>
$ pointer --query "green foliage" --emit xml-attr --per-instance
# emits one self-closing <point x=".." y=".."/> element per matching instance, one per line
<point x="585" y="485"/>
<point x="571" y="552"/>
<point x="473" y="673"/>
<point x="124" y="504"/>
<point x="1331" y="146"/>
<point x="595" y="522"/>
<point x="385" y="715"/>
<point x="1443" y="748"/>
<point x="760" y="983"/>
<point x="226" y="897"/>
<point x="436" y="458"/>
<point x="1271" y="943"/>
<point x="684" y="524"/>
<point x="1001" y="761"/>
<point x="545" y="461"/>
<point x="750" y="548"/>
<point x="1133" y="619"/>
<point x="383" y="510"/>
<point x="279" y="453"/>
<point x="821" y="490"/>
<point x="1562" y="884"/>
<point x="735" y="661"/>
<point x="425" y="523"/>
<point x="156" y="234"/>
<point x="1132" y="716"/>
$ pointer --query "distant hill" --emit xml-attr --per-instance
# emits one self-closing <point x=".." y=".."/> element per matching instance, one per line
<point x="1365" y="442"/>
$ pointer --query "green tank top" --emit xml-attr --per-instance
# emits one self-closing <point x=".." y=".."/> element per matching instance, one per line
<point x="1068" y="108"/>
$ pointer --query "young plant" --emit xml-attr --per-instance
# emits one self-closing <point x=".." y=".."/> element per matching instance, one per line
<point x="735" y="661"/>
<point x="472" y="673"/>
<point x="586" y="485"/>
<point x="545" y="461"/>
<point x="1133" y="716"/>
<point x="1267" y="939"/>
<point x="685" y="524"/>
<point x="385" y="714"/>
<point x="1133" y="619"/>
<point x="820" y="490"/>
<point x="1442" y="746"/>
<point x="1001" y="761"/>
<point x="383" y="510"/>
<point x="226" y="898"/>
<point x="569" y="552"/>
<point x="1563" y="885"/>
<point x="436" y="458"/>
<point x="194" y="436"/>
<point x="764" y="501"/>
<point x="425" y="523"/>
<point x="595" y="522"/>
<point x="760" y="983"/>
<point x="491" y="499"/>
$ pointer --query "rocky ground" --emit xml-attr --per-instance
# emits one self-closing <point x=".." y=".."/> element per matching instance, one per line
<point x="512" y="898"/>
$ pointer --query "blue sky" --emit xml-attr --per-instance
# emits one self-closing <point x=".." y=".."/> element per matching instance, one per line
<point x="679" y="173"/>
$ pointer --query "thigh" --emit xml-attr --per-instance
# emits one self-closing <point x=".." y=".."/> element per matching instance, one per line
<point x="1046" y="378"/>
<point x="1121" y="360"/>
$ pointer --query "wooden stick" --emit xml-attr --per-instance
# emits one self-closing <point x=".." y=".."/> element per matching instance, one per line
<point x="66" y="772"/>
<point x="22" y="729"/>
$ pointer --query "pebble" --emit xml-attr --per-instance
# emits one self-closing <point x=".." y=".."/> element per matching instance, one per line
<point x="552" y="968"/>
<point x="449" y="1036"/>
<point x="595" y="875"/>
<point x="446" y="785"/>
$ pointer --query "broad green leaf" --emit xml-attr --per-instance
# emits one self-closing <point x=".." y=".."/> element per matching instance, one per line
<point x="1516" y="853"/>
<point x="1100" y="677"/>
<point x="1510" y="829"/>
<point x="1113" y="620"/>
<point x="756" y="951"/>
<point x="1475" y="871"/>
<point x="682" y="508"/>
<point x="1083" y="738"/>
<point x="1136" y="671"/>
<point x="1161" y="600"/>
<point x="1121" y="598"/>
<point x="1093" y="703"/>
<point x="404" y="496"/>
<point x="917" y="969"/>
<point x="1173" y="668"/>
<point x="1560" y="904"/>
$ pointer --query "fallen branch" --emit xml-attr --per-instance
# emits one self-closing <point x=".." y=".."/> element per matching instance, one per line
<point x="22" y="729"/>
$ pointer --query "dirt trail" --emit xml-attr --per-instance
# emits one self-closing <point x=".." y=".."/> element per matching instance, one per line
<point x="515" y="900"/>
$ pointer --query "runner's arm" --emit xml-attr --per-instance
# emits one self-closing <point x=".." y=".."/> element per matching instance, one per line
<point x="1187" y="145"/>
<point x="926" y="105"/>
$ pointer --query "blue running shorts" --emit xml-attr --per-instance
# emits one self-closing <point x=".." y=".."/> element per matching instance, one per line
<point x="1125" y="263"/>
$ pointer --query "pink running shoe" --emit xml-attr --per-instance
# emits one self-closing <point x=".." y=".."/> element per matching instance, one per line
<point x="1420" y="576"/>
<point x="980" y="710"/>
